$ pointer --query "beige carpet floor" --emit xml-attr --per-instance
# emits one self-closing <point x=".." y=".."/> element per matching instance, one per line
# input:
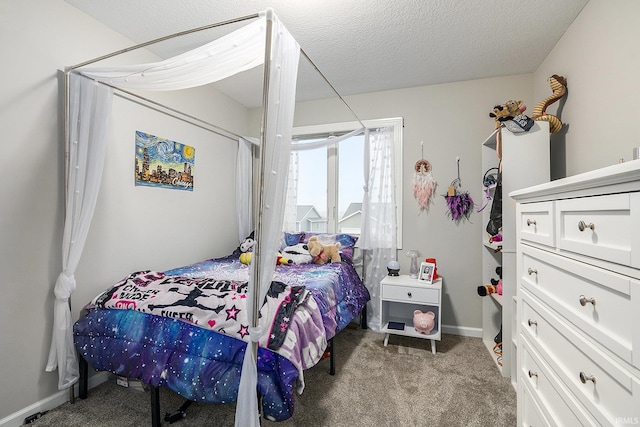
<point x="402" y="384"/>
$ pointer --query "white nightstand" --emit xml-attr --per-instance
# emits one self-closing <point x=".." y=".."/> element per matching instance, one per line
<point x="400" y="296"/>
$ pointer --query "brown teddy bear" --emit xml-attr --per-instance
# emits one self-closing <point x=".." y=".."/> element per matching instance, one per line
<point x="322" y="253"/>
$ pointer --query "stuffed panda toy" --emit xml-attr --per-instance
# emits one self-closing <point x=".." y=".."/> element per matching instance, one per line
<point x="299" y="253"/>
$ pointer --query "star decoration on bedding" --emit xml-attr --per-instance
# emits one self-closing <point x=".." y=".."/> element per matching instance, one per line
<point x="244" y="330"/>
<point x="232" y="313"/>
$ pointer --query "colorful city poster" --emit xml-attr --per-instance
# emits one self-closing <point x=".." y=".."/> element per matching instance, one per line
<point x="163" y="163"/>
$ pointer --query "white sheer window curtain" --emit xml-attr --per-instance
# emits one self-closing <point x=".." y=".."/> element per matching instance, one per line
<point x="379" y="228"/>
<point x="378" y="239"/>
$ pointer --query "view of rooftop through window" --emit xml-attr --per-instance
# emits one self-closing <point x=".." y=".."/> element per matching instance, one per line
<point x="316" y="188"/>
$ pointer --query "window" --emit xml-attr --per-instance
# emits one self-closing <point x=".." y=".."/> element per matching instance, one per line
<point x="329" y="180"/>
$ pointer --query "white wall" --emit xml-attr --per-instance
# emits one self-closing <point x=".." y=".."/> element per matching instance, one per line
<point x="600" y="57"/>
<point x="135" y="227"/>
<point x="452" y="120"/>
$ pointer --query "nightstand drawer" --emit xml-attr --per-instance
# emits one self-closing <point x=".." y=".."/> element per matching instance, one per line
<point x="412" y="294"/>
<point x="535" y="222"/>
<point x="602" y="227"/>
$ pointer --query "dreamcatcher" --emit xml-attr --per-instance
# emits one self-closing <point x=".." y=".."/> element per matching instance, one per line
<point x="459" y="203"/>
<point x="424" y="185"/>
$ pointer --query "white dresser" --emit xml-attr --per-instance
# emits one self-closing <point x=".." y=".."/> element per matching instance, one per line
<point x="578" y="277"/>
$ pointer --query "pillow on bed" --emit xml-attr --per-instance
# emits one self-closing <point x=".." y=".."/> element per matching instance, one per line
<point x="290" y="239"/>
<point x="347" y="242"/>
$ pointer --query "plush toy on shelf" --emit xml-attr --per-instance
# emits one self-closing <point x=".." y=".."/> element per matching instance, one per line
<point x="559" y="87"/>
<point x="322" y="253"/>
<point x="494" y="288"/>
<point x="502" y="113"/>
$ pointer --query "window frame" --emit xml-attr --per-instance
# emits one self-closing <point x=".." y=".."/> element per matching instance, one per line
<point x="340" y="128"/>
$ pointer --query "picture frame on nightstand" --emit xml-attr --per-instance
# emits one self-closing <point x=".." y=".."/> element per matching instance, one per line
<point x="426" y="272"/>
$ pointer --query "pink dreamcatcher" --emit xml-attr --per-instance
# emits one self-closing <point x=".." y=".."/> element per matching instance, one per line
<point x="424" y="185"/>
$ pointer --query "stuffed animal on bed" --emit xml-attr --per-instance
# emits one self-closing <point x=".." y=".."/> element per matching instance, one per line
<point x="322" y="253"/>
<point x="299" y="253"/>
<point x="247" y="245"/>
<point x="246" y="258"/>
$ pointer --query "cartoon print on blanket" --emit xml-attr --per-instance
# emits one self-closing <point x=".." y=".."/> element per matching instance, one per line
<point x="336" y="287"/>
<point x="219" y="305"/>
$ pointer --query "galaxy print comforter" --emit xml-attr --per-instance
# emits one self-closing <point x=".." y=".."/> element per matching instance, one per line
<point x="336" y="287"/>
<point x="164" y="346"/>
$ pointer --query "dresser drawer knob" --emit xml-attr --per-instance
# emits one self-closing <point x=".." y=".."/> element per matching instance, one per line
<point x="584" y="378"/>
<point x="583" y="226"/>
<point x="531" y="222"/>
<point x="409" y="294"/>
<point x="532" y="271"/>
<point x="584" y="300"/>
<point x="532" y="322"/>
<point x="532" y="374"/>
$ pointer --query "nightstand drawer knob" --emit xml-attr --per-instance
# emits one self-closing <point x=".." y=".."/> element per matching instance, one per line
<point x="532" y="271"/>
<point x="584" y="378"/>
<point x="532" y="374"/>
<point x="532" y="322"/>
<point x="531" y="222"/>
<point x="409" y="294"/>
<point x="584" y="300"/>
<point x="583" y="226"/>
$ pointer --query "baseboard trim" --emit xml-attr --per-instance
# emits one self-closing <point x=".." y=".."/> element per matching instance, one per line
<point x="462" y="330"/>
<point x="60" y="398"/>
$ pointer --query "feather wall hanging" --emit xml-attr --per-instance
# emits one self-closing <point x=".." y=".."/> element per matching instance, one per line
<point x="424" y="185"/>
<point x="459" y="203"/>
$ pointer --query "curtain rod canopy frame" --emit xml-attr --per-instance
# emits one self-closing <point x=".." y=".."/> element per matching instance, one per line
<point x="62" y="315"/>
<point x="187" y="32"/>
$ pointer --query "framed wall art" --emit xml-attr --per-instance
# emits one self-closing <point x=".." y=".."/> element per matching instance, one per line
<point x="163" y="163"/>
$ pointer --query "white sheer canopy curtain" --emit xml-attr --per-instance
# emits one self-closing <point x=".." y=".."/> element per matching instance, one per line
<point x="90" y="103"/>
<point x="274" y="153"/>
<point x="244" y="186"/>
<point x="378" y="238"/>
<point x="88" y="124"/>
<point x="87" y="150"/>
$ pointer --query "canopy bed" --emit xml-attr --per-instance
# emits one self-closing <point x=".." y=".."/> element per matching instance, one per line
<point x="263" y="42"/>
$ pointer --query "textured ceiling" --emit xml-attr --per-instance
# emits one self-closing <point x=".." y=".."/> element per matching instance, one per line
<point x="363" y="45"/>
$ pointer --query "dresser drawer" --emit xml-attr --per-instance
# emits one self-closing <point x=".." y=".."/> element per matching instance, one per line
<point x="598" y="302"/>
<point x="531" y="412"/>
<point x="555" y="402"/>
<point x="601" y="385"/>
<point x="600" y="227"/>
<point x="412" y="294"/>
<point x="534" y="222"/>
